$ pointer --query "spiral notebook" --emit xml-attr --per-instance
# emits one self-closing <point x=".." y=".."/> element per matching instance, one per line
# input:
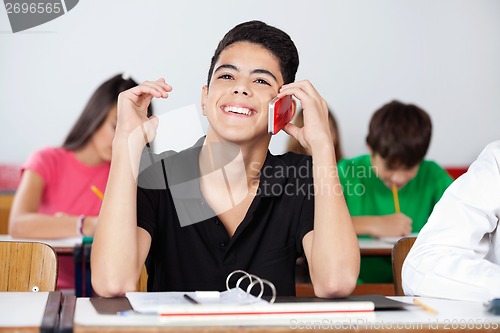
<point x="236" y="303"/>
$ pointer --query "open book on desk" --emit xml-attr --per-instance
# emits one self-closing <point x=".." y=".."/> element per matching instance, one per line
<point x="160" y="302"/>
<point x="235" y="305"/>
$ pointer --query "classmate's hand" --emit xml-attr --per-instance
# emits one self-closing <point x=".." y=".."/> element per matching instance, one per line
<point x="89" y="225"/>
<point x="61" y="214"/>
<point x="316" y="130"/>
<point x="132" y="110"/>
<point x="393" y="225"/>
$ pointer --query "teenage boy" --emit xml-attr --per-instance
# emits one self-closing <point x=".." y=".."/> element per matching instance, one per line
<point x="266" y="210"/>
<point x="391" y="191"/>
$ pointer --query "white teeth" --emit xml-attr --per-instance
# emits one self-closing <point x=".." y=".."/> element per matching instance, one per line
<point x="238" y="110"/>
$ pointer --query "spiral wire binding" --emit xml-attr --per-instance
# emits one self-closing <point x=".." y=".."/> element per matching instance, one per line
<point x="254" y="280"/>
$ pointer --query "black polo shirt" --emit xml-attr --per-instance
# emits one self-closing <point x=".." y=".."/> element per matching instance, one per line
<point x="199" y="256"/>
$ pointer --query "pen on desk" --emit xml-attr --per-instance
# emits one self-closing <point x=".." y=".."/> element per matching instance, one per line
<point x="396" y="197"/>
<point x="424" y="306"/>
<point x="125" y="313"/>
<point x="189" y="298"/>
<point x="97" y="192"/>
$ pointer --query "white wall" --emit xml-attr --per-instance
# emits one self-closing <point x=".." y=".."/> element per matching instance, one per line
<point x="440" y="54"/>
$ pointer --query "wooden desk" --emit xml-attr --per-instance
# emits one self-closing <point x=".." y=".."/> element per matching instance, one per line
<point x="6" y="198"/>
<point x="375" y="247"/>
<point x="451" y="316"/>
<point x="29" y="312"/>
<point x="379" y="246"/>
<point x="63" y="246"/>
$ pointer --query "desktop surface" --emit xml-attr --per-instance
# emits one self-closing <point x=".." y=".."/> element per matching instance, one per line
<point x="450" y="316"/>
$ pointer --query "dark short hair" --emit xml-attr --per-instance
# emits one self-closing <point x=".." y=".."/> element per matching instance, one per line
<point x="400" y="133"/>
<point x="97" y="109"/>
<point x="272" y="39"/>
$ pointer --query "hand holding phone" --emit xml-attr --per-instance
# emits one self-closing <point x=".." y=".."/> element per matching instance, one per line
<point x="281" y="112"/>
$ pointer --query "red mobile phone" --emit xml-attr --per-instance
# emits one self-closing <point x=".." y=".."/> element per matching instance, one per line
<point x="281" y="112"/>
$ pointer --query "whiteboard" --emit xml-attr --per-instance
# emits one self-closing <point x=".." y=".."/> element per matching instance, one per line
<point x="439" y="54"/>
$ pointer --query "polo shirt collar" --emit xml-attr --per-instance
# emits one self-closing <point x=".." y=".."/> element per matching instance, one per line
<point x="274" y="174"/>
<point x="185" y="166"/>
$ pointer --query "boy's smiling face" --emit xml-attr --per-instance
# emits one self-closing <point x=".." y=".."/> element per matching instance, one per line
<point x="245" y="78"/>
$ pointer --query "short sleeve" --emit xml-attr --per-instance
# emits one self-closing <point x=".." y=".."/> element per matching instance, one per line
<point x="306" y="221"/>
<point x="151" y="183"/>
<point x="44" y="163"/>
<point x="440" y="180"/>
<point x="146" y="210"/>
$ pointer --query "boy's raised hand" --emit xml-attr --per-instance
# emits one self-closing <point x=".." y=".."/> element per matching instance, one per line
<point x="316" y="130"/>
<point x="133" y="106"/>
<point x="393" y="225"/>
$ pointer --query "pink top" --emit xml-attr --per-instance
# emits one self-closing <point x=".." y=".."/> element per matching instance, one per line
<point x="67" y="183"/>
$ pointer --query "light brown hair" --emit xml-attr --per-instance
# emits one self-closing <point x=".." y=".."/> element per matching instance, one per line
<point x="295" y="146"/>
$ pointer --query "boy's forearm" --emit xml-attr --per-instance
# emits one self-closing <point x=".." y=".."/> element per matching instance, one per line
<point x="335" y="250"/>
<point x="114" y="251"/>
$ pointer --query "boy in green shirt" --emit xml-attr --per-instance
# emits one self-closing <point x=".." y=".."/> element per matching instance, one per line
<point x="398" y="139"/>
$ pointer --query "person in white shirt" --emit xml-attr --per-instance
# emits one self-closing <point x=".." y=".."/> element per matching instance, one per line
<point x="457" y="253"/>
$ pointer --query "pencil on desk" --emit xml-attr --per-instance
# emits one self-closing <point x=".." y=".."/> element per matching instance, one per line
<point x="424" y="306"/>
<point x="396" y="197"/>
<point x="97" y="192"/>
<point x="190" y="299"/>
